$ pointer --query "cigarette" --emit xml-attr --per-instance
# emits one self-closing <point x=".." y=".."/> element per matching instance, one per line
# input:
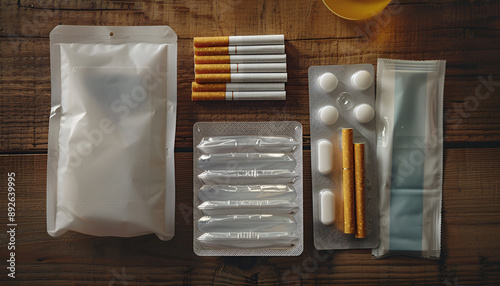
<point x="238" y="95"/>
<point x="239" y="40"/>
<point x="240" y="77"/>
<point x="240" y="68"/>
<point x="359" y="177"/>
<point x="239" y="50"/>
<point x="273" y="86"/>
<point x="348" y="180"/>
<point x="238" y="59"/>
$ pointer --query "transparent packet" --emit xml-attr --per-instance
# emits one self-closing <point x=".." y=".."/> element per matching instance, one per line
<point x="233" y="195"/>
<point x="110" y="167"/>
<point x="346" y="99"/>
<point x="247" y="192"/>
<point x="410" y="156"/>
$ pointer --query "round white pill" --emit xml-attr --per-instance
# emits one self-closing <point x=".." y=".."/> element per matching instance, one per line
<point x="328" y="81"/>
<point x="361" y="80"/>
<point x="327" y="207"/>
<point x="364" y="113"/>
<point x="328" y="114"/>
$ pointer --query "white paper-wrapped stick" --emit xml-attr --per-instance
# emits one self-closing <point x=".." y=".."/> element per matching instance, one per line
<point x="239" y="40"/>
<point x="238" y="95"/>
<point x="240" y="77"/>
<point x="239" y="50"/>
<point x="240" y="68"/>
<point x="237" y="59"/>
<point x="265" y="86"/>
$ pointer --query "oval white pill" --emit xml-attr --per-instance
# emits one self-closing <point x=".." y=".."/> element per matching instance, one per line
<point x="361" y="80"/>
<point x="328" y="114"/>
<point x="325" y="151"/>
<point x="364" y="113"/>
<point x="328" y="81"/>
<point x="327" y="207"/>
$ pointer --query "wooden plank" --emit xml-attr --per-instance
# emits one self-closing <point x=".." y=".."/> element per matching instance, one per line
<point x="25" y="86"/>
<point x="471" y="226"/>
<point x="469" y="43"/>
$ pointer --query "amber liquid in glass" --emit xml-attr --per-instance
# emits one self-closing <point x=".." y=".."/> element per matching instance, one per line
<point x="356" y="9"/>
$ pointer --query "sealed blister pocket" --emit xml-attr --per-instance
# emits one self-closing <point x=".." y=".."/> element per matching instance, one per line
<point x="241" y="144"/>
<point x="247" y="223"/>
<point x="262" y="161"/>
<point x="248" y="176"/>
<point x="247" y="192"/>
<point x="111" y="131"/>
<point x="343" y="158"/>
<point x="265" y="243"/>
<point x="248" y="207"/>
<point x="248" y="189"/>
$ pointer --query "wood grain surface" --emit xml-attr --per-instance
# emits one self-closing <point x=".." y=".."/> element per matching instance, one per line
<point x="464" y="33"/>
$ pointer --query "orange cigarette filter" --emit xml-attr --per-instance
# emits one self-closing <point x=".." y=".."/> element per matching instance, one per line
<point x="212" y="77"/>
<point x="359" y="177"/>
<point x="208" y="87"/>
<point x="348" y="180"/>
<point x="212" y="59"/>
<point x="208" y="96"/>
<point x="213" y="68"/>
<point x="211" y="41"/>
<point x="207" y="51"/>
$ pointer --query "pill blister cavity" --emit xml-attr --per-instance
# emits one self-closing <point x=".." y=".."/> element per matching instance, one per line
<point x="364" y="113"/>
<point x="362" y="80"/>
<point x="325" y="152"/>
<point x="345" y="101"/>
<point x="328" y="114"/>
<point x="327" y="207"/>
<point x="328" y="81"/>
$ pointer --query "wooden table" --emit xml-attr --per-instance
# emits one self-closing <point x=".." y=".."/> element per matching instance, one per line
<point x="465" y="33"/>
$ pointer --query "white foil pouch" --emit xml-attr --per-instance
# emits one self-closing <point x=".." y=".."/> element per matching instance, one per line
<point x="111" y="132"/>
<point x="410" y="156"/>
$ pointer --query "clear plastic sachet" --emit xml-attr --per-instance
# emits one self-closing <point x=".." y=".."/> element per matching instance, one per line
<point x="112" y="130"/>
<point x="247" y="189"/>
<point x="410" y="156"/>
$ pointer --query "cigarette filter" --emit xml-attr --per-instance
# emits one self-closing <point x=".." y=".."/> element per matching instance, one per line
<point x="238" y="95"/>
<point x="348" y="180"/>
<point x="241" y="77"/>
<point x="239" y="50"/>
<point x="273" y="86"/>
<point x="237" y="59"/>
<point x="239" y="40"/>
<point x="359" y="177"/>
<point x="240" y="68"/>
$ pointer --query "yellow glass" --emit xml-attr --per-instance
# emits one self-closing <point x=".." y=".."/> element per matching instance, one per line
<point x="356" y="9"/>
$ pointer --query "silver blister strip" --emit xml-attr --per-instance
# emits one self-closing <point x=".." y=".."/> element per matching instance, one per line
<point x="252" y="243"/>
<point x="344" y="97"/>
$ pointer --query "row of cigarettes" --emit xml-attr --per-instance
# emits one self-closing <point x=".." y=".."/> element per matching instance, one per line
<point x="239" y="68"/>
<point x="353" y="174"/>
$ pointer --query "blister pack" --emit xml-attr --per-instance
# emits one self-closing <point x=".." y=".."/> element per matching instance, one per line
<point x="343" y="156"/>
<point x="247" y="189"/>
